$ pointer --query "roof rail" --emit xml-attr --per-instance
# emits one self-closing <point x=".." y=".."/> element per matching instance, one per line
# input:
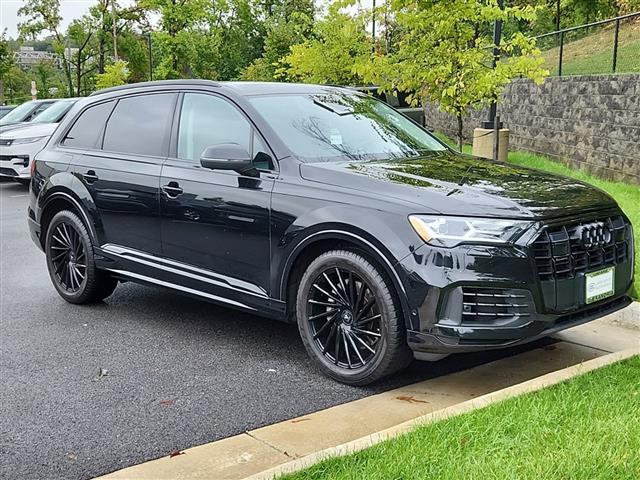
<point x="155" y="83"/>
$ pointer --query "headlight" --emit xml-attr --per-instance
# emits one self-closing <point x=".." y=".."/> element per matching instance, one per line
<point x="20" y="141"/>
<point x="451" y="231"/>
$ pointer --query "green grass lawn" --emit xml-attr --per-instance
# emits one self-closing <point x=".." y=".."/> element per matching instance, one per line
<point x="594" y="53"/>
<point x="627" y="195"/>
<point x="586" y="428"/>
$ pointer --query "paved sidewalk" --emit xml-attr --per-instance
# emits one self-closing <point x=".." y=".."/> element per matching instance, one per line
<point x="263" y="448"/>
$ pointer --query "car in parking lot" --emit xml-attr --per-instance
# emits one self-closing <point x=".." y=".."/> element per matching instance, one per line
<point x="4" y="109"/>
<point x="19" y="145"/>
<point x="325" y="207"/>
<point x="24" y="112"/>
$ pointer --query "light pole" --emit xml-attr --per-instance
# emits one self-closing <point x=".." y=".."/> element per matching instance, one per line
<point x="148" y="34"/>
<point x="497" y="35"/>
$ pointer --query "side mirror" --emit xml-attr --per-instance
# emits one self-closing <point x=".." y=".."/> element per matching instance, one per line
<point x="226" y="156"/>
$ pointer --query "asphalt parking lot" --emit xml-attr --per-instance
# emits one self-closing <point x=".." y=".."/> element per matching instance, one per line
<point x="88" y="390"/>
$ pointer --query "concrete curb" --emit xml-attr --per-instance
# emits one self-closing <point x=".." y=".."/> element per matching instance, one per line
<point x="467" y="406"/>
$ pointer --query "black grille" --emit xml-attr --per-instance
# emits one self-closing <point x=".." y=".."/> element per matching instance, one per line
<point x="564" y="251"/>
<point x="8" y="158"/>
<point x="484" y="305"/>
<point x="8" y="171"/>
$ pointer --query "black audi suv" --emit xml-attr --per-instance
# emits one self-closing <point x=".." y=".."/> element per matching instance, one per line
<point x="326" y="207"/>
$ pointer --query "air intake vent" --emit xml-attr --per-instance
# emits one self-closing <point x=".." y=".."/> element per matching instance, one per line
<point x="488" y="305"/>
<point x="565" y="251"/>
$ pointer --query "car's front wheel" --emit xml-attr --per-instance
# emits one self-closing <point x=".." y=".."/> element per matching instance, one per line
<point x="349" y="319"/>
<point x="71" y="263"/>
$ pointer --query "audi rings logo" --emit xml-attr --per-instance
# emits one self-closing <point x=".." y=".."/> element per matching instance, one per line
<point x="595" y="234"/>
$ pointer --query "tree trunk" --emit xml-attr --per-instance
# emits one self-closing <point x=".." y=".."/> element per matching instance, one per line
<point x="459" y="117"/>
<point x="1" y="92"/>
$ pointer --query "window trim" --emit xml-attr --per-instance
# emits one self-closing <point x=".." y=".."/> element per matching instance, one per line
<point x="175" y="131"/>
<point x="99" y="151"/>
<point x="162" y="155"/>
<point x="63" y="137"/>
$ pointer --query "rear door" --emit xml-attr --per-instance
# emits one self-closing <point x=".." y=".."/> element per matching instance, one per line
<point x="121" y="171"/>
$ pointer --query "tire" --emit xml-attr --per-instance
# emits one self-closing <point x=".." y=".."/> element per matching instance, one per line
<point x="349" y="319"/>
<point x="71" y="263"/>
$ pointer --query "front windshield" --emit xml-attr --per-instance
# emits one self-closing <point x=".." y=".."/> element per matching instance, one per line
<point x="54" y="113"/>
<point x="17" y="114"/>
<point x="340" y="126"/>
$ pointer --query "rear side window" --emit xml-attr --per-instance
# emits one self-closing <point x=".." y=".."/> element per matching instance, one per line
<point x="140" y="125"/>
<point x="86" y="131"/>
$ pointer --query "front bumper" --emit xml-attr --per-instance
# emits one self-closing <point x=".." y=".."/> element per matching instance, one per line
<point x="474" y="297"/>
<point x="15" y="160"/>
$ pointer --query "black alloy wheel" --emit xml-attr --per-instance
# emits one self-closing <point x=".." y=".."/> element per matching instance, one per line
<point x="70" y="261"/>
<point x="69" y="257"/>
<point x="345" y="317"/>
<point x="349" y="319"/>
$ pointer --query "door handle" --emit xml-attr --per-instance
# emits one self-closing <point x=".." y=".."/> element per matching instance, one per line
<point x="90" y="176"/>
<point x="172" y="189"/>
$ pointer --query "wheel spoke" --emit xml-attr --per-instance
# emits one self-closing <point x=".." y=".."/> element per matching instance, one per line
<point x="367" y="332"/>
<point x="58" y="256"/>
<point x="79" y="274"/>
<point x="361" y="293"/>
<point x="65" y="233"/>
<point x="345" y="294"/>
<point x="322" y="315"/>
<point x="61" y="242"/>
<point x="329" y="321"/>
<point x="364" y="344"/>
<point x="337" y="346"/>
<point x="332" y="332"/>
<point x="346" y="348"/>
<point x="352" y="292"/>
<point x="334" y="288"/>
<point x="365" y="309"/>
<point x="323" y="304"/>
<point x="315" y="285"/>
<point x="349" y="335"/>
<point x="364" y="321"/>
<point x="72" y="278"/>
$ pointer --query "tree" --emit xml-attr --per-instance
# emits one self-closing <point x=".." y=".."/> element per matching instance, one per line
<point x="17" y="85"/>
<point x="289" y="23"/>
<point x="45" y="74"/>
<point x="44" y="16"/>
<point x="114" y="75"/>
<point x="6" y="63"/>
<point x="443" y="56"/>
<point x="339" y="43"/>
<point x="81" y="36"/>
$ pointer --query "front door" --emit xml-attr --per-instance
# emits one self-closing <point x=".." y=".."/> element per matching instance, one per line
<point x="215" y="224"/>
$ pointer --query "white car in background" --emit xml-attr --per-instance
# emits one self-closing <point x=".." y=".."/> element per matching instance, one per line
<point x="19" y="146"/>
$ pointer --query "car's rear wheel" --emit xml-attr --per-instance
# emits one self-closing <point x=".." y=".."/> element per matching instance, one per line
<point x="349" y="319"/>
<point x="71" y="263"/>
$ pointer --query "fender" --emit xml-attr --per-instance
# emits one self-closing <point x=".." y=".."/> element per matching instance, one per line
<point x="381" y="254"/>
<point x="68" y="187"/>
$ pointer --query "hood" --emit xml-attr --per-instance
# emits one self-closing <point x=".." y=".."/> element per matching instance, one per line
<point x="12" y="126"/>
<point x="453" y="184"/>
<point x="30" y="130"/>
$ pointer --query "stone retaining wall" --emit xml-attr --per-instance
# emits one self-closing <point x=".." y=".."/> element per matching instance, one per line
<point x="590" y="122"/>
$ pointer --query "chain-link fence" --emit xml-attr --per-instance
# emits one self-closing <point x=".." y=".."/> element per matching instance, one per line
<point x="608" y="46"/>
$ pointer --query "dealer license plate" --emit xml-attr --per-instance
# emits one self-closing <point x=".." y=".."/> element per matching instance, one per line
<point x="599" y="284"/>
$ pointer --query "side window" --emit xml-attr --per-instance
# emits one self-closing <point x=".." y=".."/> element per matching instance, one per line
<point x="39" y="109"/>
<point x="140" y="125"/>
<point x="206" y="121"/>
<point x="86" y="130"/>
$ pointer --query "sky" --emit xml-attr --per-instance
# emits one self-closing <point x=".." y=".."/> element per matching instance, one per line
<point x="69" y="11"/>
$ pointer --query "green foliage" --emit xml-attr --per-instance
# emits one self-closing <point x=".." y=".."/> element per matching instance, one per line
<point x="339" y="43"/>
<point x="442" y="56"/>
<point x="290" y="23"/>
<point x="114" y="75"/>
